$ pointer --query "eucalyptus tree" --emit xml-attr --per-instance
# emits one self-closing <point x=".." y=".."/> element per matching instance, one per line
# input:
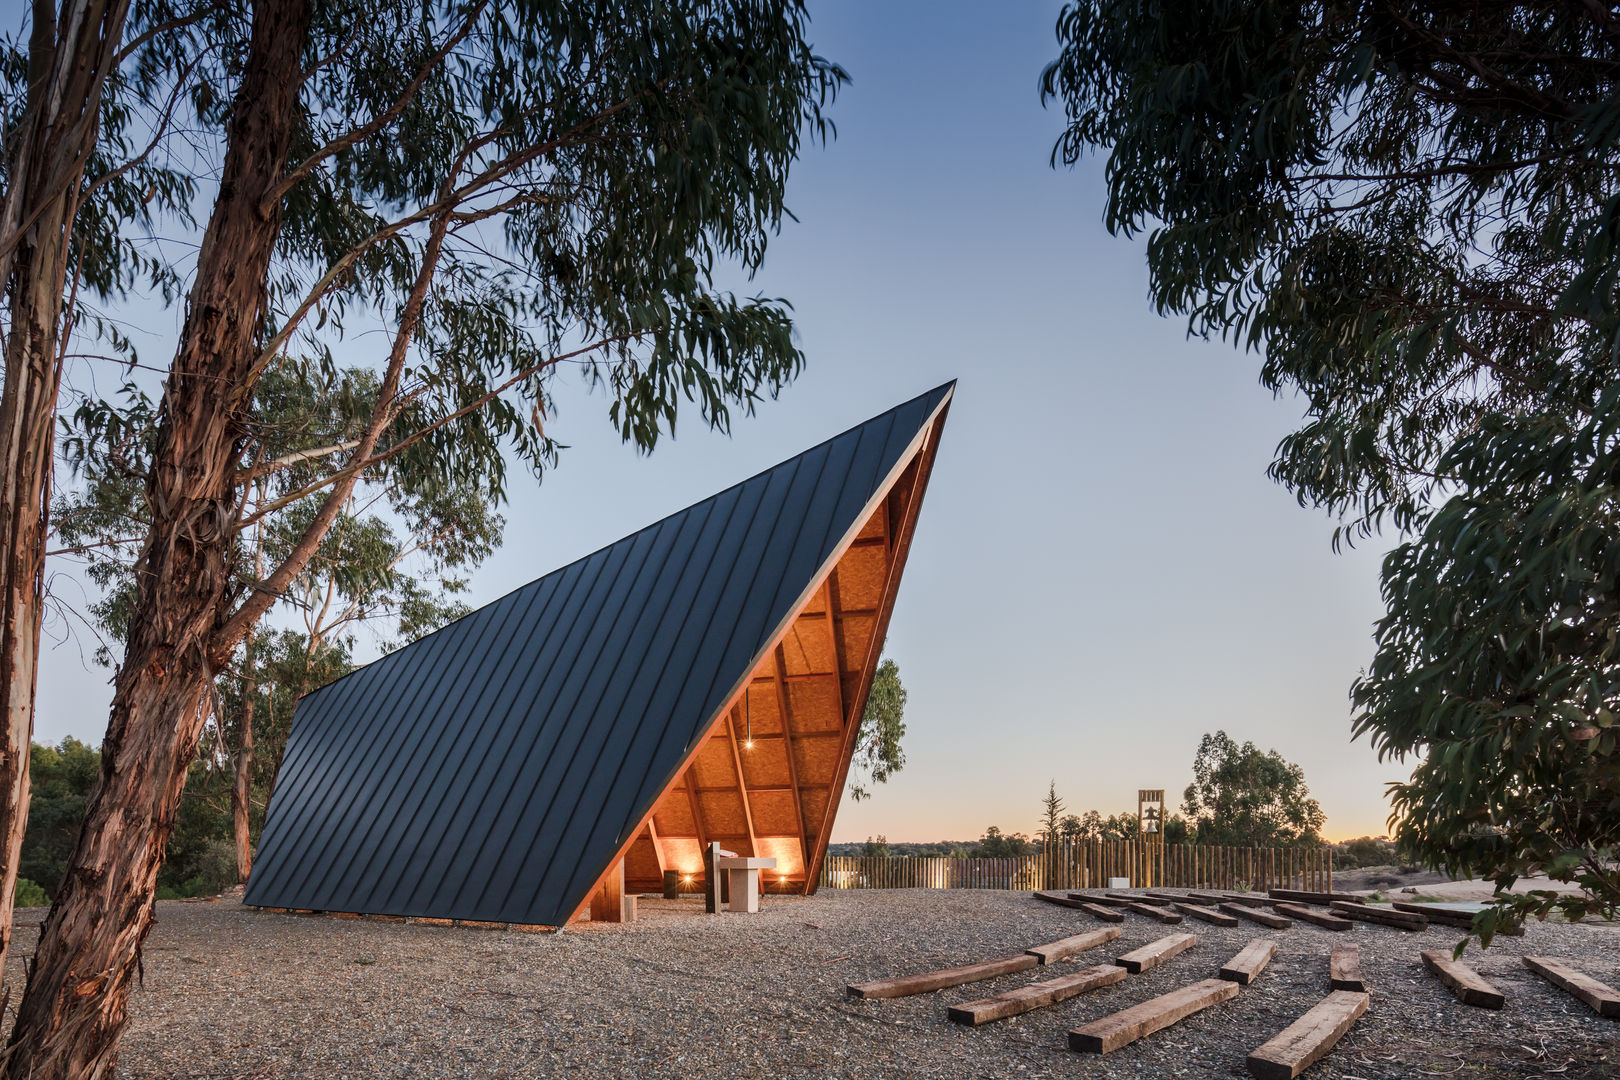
<point x="1243" y="796"/>
<point x="878" y="754"/>
<point x="496" y="192"/>
<point x="77" y="163"/>
<point x="1411" y="213"/>
<point x="394" y="562"/>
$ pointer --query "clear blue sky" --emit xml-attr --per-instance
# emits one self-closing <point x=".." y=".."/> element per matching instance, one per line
<point x="1102" y="572"/>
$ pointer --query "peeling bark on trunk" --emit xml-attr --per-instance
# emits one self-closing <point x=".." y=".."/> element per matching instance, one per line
<point x="68" y="64"/>
<point x="75" y="1006"/>
<point x="242" y="765"/>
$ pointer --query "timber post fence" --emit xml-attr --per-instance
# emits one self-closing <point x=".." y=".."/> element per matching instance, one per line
<point x="1090" y="865"/>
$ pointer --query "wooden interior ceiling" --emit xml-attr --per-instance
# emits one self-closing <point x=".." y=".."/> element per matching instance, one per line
<point x="766" y="779"/>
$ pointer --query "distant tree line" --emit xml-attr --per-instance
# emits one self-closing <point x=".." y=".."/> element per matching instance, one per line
<point x="1240" y="796"/>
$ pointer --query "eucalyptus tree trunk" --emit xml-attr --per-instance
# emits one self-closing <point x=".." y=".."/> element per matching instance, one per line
<point x="68" y="62"/>
<point x="75" y="1006"/>
<point x="242" y="768"/>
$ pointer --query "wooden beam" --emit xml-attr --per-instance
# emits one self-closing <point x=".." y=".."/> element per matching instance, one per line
<point x="1067" y="947"/>
<point x="607" y="904"/>
<point x="1105" y="914"/>
<point x="1315" y="918"/>
<point x="1452" y="917"/>
<point x="1247" y="965"/>
<point x="1305" y="896"/>
<point x="1403" y="920"/>
<point x="742" y="783"/>
<point x="1204" y="914"/>
<point x="757" y="789"/>
<point x="906" y="985"/>
<point x="1605" y="1000"/>
<point x="658" y="851"/>
<point x="1470" y="987"/>
<point x="785" y="711"/>
<point x="1138" y="898"/>
<point x="1157" y="914"/>
<point x="1038" y="995"/>
<point x="1344" y="969"/>
<point x="1106" y="901"/>
<point x="1308" y="1039"/>
<point x="1119" y="1029"/>
<point x="832" y="640"/>
<point x="1154" y="953"/>
<point x="697" y="810"/>
<point x="1264" y="918"/>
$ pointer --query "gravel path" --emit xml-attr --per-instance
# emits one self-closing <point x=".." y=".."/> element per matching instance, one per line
<point x="232" y="992"/>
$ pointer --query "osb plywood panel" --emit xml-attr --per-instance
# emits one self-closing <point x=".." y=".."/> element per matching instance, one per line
<point x="855" y="637"/>
<point x="815" y="805"/>
<point x="713" y="765"/>
<point x="766" y="764"/>
<point x="813" y="703"/>
<point x="788" y="853"/>
<point x="876" y="525"/>
<point x="808" y="646"/>
<point x="641" y="861"/>
<point x="673" y="815"/>
<point x="817" y="759"/>
<point x="861" y="573"/>
<point x="683" y="855"/>
<point x="774" y="812"/>
<point x="722" y="813"/>
<point x="763" y="708"/>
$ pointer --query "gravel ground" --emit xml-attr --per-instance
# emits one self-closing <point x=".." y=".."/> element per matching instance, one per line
<point x="233" y="992"/>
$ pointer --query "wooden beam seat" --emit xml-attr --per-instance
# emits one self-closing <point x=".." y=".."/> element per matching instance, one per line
<point x="1603" y="999"/>
<point x="1204" y="914"/>
<point x="1453" y="917"/>
<point x="1259" y="915"/>
<point x="906" y="985"/>
<point x="1308" y="1039"/>
<point x="1247" y="965"/>
<point x="1401" y="920"/>
<point x="1344" y="969"/>
<point x="1470" y="987"/>
<point x="1157" y="914"/>
<point x="1154" y="953"/>
<point x="1069" y="946"/>
<point x="1036" y="995"/>
<point x="1119" y="1029"/>
<point x="1306" y="896"/>
<point x="1315" y="918"/>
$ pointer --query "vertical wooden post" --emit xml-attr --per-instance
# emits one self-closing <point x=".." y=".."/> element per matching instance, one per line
<point x="608" y="904"/>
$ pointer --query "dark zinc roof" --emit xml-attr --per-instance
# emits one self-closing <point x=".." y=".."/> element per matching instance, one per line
<point x="492" y="769"/>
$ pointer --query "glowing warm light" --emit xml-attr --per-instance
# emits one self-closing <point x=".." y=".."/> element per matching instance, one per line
<point x="748" y="745"/>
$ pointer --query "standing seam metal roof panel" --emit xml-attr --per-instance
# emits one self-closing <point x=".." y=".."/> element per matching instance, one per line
<point x="492" y="769"/>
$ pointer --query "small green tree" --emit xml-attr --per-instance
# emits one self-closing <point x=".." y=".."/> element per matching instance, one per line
<point x="61" y="779"/>
<point x="1243" y="796"/>
<point x="1071" y="829"/>
<point x="876" y="849"/>
<point x="1051" y="814"/>
<point x="995" y="844"/>
<point x="878" y="755"/>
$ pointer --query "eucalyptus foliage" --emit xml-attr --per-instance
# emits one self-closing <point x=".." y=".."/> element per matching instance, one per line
<point x="1246" y="797"/>
<point x="878" y="754"/>
<point x="1410" y="211"/>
